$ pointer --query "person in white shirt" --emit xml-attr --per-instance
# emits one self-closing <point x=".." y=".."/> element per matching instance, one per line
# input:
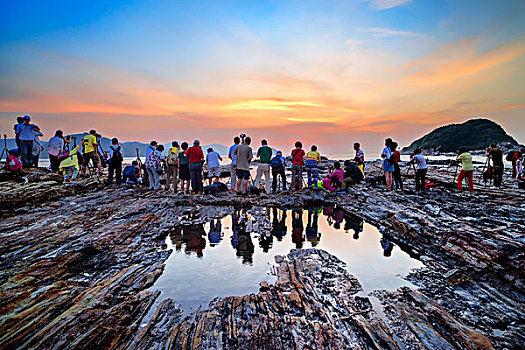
<point x="421" y="171"/>
<point x="214" y="170"/>
<point x="233" y="165"/>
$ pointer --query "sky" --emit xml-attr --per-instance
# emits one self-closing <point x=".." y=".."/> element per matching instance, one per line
<point x="324" y="72"/>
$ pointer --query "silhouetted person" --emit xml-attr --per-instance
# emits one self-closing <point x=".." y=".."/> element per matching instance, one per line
<point x="497" y="164"/>
<point x="297" y="228"/>
<point x="278" y="225"/>
<point x="387" y="246"/>
<point x="215" y="235"/>
<point x="193" y="236"/>
<point x="312" y="228"/>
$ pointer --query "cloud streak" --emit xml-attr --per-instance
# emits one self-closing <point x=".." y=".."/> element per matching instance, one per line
<point x="386" y="4"/>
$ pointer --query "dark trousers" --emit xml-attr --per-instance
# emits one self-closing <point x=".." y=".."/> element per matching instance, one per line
<point x="114" y="168"/>
<point x="498" y="174"/>
<point x="26" y="151"/>
<point x="196" y="177"/>
<point x="54" y="163"/>
<point x="397" y="176"/>
<point x="275" y="172"/>
<point x="420" y="179"/>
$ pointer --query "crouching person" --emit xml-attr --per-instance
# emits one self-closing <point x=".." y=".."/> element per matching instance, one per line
<point x="333" y="181"/>
<point x="69" y="166"/>
<point x="353" y="174"/>
<point x="131" y="174"/>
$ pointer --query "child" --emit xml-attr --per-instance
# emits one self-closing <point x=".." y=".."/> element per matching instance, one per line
<point x="421" y="171"/>
<point x="131" y="174"/>
<point x="214" y="170"/>
<point x="467" y="169"/>
<point x="297" y="165"/>
<point x="334" y="180"/>
<point x="69" y="166"/>
<point x="312" y="159"/>
<point x="278" y="164"/>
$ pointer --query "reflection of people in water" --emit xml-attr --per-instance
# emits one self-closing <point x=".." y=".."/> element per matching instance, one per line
<point x="245" y="246"/>
<point x="193" y="236"/>
<point x="297" y="228"/>
<point x="312" y="228"/>
<point x="215" y="235"/>
<point x="353" y="222"/>
<point x="265" y="242"/>
<point x="338" y="218"/>
<point x="279" y="225"/>
<point x="176" y="238"/>
<point x="235" y="227"/>
<point x="387" y="246"/>
<point x="328" y="212"/>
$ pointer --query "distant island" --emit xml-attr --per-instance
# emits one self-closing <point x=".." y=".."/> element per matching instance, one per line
<point x="474" y="134"/>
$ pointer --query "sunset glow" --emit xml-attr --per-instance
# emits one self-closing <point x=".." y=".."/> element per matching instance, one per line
<point x="328" y="72"/>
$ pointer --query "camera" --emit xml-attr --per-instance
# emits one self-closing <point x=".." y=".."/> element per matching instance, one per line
<point x="242" y="136"/>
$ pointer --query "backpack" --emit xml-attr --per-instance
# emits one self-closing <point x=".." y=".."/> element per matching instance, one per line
<point x="117" y="156"/>
<point x="392" y="159"/>
<point x="129" y="171"/>
<point x="276" y="161"/>
<point x="13" y="163"/>
<point x="172" y="158"/>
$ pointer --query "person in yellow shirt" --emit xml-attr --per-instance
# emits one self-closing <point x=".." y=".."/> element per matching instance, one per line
<point x="467" y="169"/>
<point x="91" y="152"/>
<point x="312" y="159"/>
<point x="173" y="166"/>
<point x="69" y="166"/>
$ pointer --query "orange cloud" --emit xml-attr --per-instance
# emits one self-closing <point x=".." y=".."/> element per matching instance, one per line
<point x="514" y="106"/>
<point x="462" y="61"/>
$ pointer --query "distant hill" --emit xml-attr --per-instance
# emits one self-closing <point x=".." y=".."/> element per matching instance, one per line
<point x="475" y="134"/>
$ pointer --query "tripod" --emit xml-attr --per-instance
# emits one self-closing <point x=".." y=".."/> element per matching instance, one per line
<point x="485" y="166"/>
<point x="5" y="150"/>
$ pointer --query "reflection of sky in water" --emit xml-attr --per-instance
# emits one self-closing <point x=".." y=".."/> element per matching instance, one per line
<point x="193" y="280"/>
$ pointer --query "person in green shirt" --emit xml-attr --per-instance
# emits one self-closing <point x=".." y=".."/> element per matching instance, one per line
<point x="467" y="169"/>
<point x="265" y="155"/>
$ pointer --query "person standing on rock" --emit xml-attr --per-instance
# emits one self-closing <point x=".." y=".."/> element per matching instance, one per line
<point x="172" y="160"/>
<point x="467" y="169"/>
<point x="19" y="121"/>
<point x="55" y="147"/>
<point x="214" y="167"/>
<point x="359" y="156"/>
<point x="26" y="134"/>
<point x="278" y="164"/>
<point x="91" y="152"/>
<point x="388" y="163"/>
<point x="421" y="171"/>
<point x="519" y="167"/>
<point x="184" y="169"/>
<point x="244" y="156"/>
<point x="196" y="156"/>
<point x="153" y="165"/>
<point x="397" y="170"/>
<point x="233" y="165"/>
<point x="298" y="156"/>
<point x="313" y="158"/>
<point x="151" y="148"/>
<point x="265" y="156"/>
<point x="115" y="160"/>
<point x="497" y="164"/>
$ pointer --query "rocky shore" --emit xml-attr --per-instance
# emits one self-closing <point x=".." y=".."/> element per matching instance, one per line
<point x="77" y="261"/>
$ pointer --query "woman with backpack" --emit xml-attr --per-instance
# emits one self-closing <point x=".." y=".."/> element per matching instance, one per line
<point x="172" y="175"/>
<point x="153" y="167"/>
<point x="115" y="157"/>
<point x="278" y="165"/>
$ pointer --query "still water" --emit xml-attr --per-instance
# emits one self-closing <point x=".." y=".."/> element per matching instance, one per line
<point x="220" y="258"/>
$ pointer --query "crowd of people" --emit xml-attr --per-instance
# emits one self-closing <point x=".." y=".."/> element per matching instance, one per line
<point x="184" y="165"/>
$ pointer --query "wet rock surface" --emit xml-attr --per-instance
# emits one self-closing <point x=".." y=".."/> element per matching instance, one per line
<point x="76" y="262"/>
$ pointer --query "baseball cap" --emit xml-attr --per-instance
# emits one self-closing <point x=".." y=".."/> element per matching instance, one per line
<point x="196" y="142"/>
<point x="26" y="117"/>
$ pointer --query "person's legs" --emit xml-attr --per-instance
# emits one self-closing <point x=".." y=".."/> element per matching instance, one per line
<point x="470" y="177"/>
<point x="315" y="177"/>
<point x="309" y="176"/>
<point x="461" y="176"/>
<point x="418" y="180"/>
<point x="26" y="151"/>
<point x="388" y="178"/>
<point x="300" y="174"/>
<point x="294" y="175"/>
<point x="282" y="171"/>
<point x="175" y="178"/>
<point x="423" y="179"/>
<point x="53" y="160"/>
<point x="274" y="180"/>
<point x="151" y="176"/>
<point x="75" y="173"/>
<point x="118" y="172"/>
<point x="169" y="172"/>
<point x="264" y="170"/>
<point x="259" y="175"/>
<point x="193" y="177"/>
<point x="35" y="160"/>
<point x="111" y="170"/>
<point x="199" y="178"/>
<point x="347" y="182"/>
<point x="233" y="176"/>
<point x="498" y="175"/>
<point x="238" y="174"/>
<point x="156" y="179"/>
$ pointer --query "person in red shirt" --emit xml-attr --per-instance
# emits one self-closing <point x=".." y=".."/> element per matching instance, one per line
<point x="196" y="156"/>
<point x="297" y="165"/>
<point x="397" y="170"/>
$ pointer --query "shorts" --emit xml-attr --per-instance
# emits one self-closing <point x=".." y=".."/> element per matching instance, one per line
<point x="215" y="171"/>
<point x="184" y="172"/>
<point x="86" y="157"/>
<point x="243" y="174"/>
